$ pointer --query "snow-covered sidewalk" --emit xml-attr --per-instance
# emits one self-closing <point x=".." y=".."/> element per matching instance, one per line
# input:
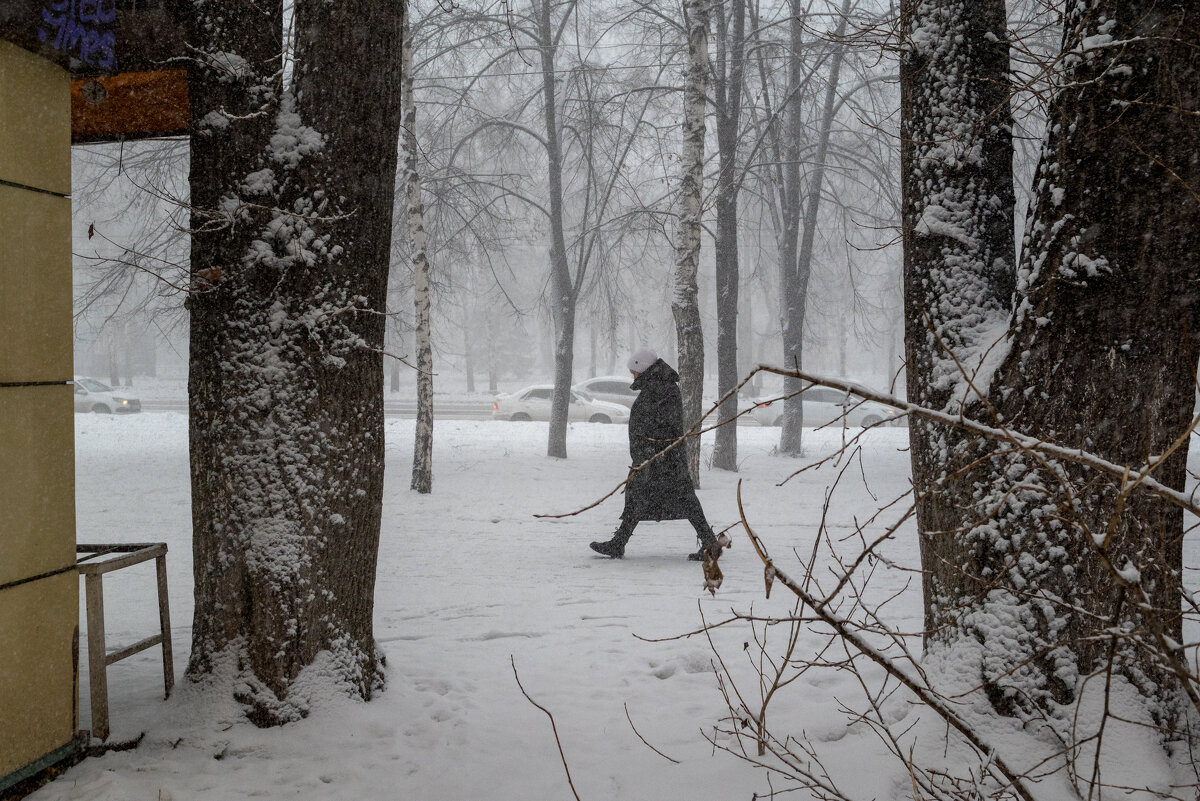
<point x="470" y="583"/>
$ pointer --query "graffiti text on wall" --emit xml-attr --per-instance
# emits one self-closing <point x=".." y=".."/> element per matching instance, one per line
<point x="82" y="28"/>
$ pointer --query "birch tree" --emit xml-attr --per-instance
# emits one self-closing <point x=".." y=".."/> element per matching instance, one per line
<point x="464" y="219"/>
<point x="422" y="471"/>
<point x="685" y="305"/>
<point x="292" y="183"/>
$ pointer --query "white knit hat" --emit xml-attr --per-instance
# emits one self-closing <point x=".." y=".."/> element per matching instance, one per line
<point x="641" y="359"/>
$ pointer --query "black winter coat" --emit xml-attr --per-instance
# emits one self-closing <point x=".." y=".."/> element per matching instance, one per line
<point x="662" y="490"/>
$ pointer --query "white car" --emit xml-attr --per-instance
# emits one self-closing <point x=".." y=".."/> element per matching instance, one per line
<point x="611" y="388"/>
<point x="825" y="406"/>
<point x="533" y="403"/>
<point x="94" y="396"/>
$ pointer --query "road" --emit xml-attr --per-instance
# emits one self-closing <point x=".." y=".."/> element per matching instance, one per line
<point x="442" y="410"/>
<point x="406" y="410"/>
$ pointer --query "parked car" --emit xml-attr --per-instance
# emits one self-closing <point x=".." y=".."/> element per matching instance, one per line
<point x="611" y="388"/>
<point x="825" y="406"/>
<point x="94" y="396"/>
<point x="533" y="403"/>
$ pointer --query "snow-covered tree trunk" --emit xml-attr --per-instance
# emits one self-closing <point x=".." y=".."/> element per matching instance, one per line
<point x="292" y="190"/>
<point x="685" y="301"/>
<point x="729" y="76"/>
<point x="562" y="291"/>
<point x="422" y="470"/>
<point x="1062" y="577"/>
<point x="957" y="220"/>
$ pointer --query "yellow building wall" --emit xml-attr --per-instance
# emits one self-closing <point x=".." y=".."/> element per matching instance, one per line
<point x="34" y="100"/>
<point x="37" y="677"/>
<point x="35" y="268"/>
<point x="39" y="589"/>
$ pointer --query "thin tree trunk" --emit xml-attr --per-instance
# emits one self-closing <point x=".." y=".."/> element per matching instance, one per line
<point x="611" y="351"/>
<point x="685" y="302"/>
<point x="728" y="91"/>
<point x="791" y="297"/>
<point x="126" y="354"/>
<point x="592" y="349"/>
<point x="470" y="331"/>
<point x="114" y="368"/>
<point x="469" y="357"/>
<point x="493" y="377"/>
<point x="746" y="339"/>
<point x="816" y="182"/>
<point x="396" y="345"/>
<point x="422" y="470"/>
<point x="562" y="293"/>
<point x="843" y="334"/>
<point x="473" y="324"/>
<point x="292" y="192"/>
<point x="797" y="304"/>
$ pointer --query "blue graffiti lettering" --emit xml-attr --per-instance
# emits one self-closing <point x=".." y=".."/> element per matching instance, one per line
<point x="97" y="11"/>
<point x="81" y="27"/>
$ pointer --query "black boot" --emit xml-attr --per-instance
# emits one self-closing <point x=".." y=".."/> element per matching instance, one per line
<point x="707" y="540"/>
<point x="614" y="548"/>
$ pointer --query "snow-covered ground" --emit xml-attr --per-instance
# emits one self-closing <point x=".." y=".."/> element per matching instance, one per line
<point x="470" y="584"/>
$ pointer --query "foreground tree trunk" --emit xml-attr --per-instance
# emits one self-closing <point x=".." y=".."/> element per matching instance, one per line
<point x="292" y="191"/>
<point x="685" y="302"/>
<point x="957" y="211"/>
<point x="422" y="470"/>
<point x="1101" y="355"/>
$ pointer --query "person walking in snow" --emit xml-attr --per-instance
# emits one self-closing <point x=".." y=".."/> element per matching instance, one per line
<point x="661" y="489"/>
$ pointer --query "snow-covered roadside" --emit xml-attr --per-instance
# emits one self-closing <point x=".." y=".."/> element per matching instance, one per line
<point x="469" y="579"/>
